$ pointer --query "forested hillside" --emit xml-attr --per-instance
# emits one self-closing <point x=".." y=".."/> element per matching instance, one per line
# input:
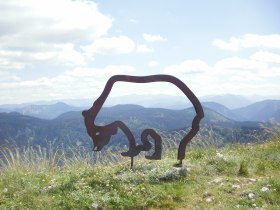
<point x="69" y="129"/>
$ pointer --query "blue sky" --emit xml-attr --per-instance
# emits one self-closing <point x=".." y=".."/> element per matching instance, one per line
<point x="53" y="50"/>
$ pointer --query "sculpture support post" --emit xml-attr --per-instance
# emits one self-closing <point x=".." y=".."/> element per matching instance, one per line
<point x="131" y="163"/>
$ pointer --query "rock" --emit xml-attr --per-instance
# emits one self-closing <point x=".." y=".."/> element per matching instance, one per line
<point x="219" y="155"/>
<point x="175" y="173"/>
<point x="208" y="200"/>
<point x="252" y="180"/>
<point x="216" y="180"/>
<point x="94" y="206"/>
<point x="184" y="171"/>
<point x="236" y="186"/>
<point x="264" y="189"/>
<point x="251" y="196"/>
<point x="169" y="176"/>
<point x="269" y="186"/>
<point x="206" y="194"/>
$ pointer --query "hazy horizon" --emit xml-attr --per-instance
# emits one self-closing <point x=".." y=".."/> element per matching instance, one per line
<point x="143" y="99"/>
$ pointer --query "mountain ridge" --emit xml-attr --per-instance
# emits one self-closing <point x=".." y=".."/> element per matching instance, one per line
<point x="260" y="111"/>
<point x="156" y="101"/>
<point x="69" y="128"/>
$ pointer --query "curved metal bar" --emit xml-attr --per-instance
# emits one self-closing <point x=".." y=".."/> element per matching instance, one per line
<point x="101" y="134"/>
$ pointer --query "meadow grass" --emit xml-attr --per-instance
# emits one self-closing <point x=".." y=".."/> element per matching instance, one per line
<point x="233" y="177"/>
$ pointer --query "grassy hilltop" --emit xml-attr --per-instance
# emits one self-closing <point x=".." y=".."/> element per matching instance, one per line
<point x="233" y="177"/>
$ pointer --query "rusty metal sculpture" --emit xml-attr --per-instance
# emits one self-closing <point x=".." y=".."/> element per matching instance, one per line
<point x="101" y="135"/>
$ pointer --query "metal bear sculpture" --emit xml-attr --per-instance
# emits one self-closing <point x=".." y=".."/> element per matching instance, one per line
<point x="101" y="135"/>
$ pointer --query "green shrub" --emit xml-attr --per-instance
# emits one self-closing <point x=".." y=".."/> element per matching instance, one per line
<point x="243" y="169"/>
<point x="260" y="167"/>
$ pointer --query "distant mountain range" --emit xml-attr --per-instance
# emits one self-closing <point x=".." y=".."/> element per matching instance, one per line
<point x="24" y="124"/>
<point x="262" y="111"/>
<point x="150" y="101"/>
<point x="228" y="100"/>
<point x="49" y="111"/>
<point x="178" y="102"/>
<point x="68" y="128"/>
<point x="259" y="111"/>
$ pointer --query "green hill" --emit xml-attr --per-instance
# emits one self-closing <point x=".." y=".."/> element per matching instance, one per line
<point x="233" y="177"/>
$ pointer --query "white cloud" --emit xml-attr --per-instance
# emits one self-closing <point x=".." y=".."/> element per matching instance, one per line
<point x="230" y="75"/>
<point x="153" y="64"/>
<point x="196" y="74"/>
<point x="267" y="41"/>
<point x="232" y="45"/>
<point x="106" y="72"/>
<point x="48" y="31"/>
<point x="61" y="53"/>
<point x="112" y="45"/>
<point x="153" y="38"/>
<point x="51" y="21"/>
<point x="249" y="41"/>
<point x="245" y="76"/>
<point x="265" y="56"/>
<point x="12" y="60"/>
<point x="7" y="76"/>
<point x="36" y="33"/>
<point x="81" y="82"/>
<point x="187" y="67"/>
<point x="141" y="48"/>
<point x="236" y="63"/>
<point x="259" y="73"/>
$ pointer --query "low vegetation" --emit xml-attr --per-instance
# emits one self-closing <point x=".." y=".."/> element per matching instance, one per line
<point x="232" y="177"/>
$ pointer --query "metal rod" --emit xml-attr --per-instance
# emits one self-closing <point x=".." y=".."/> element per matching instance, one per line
<point x="131" y="163"/>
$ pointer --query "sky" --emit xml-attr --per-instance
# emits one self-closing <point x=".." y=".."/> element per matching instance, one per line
<point x="64" y="49"/>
